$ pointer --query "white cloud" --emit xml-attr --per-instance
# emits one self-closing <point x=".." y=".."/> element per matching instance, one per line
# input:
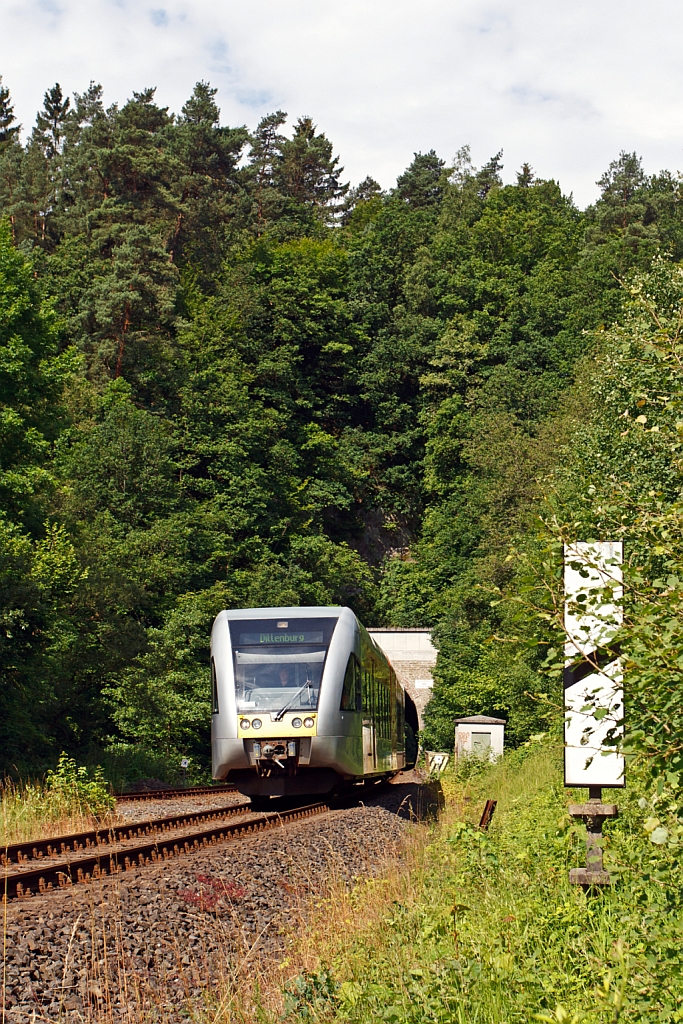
<point x="564" y="86"/>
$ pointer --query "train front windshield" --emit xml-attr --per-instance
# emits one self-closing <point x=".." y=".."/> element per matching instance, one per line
<point x="279" y="662"/>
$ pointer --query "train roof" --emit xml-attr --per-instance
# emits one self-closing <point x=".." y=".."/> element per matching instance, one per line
<point x="328" y="611"/>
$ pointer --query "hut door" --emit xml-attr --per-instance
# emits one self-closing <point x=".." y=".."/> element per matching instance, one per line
<point x="481" y="743"/>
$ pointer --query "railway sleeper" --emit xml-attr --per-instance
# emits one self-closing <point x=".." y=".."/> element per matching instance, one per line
<point x="30" y="883"/>
<point x="21" y="853"/>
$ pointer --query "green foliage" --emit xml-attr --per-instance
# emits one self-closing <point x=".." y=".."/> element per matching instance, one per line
<point x="310" y="996"/>
<point x="76" y="785"/>
<point x="493" y="931"/>
<point x="228" y="380"/>
<point x="8" y="129"/>
<point x="30" y="386"/>
<point x="624" y="480"/>
<point x="125" y="763"/>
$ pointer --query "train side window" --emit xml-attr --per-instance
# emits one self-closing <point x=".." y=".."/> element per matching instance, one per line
<point x="350" y="700"/>
<point x="214" y="689"/>
<point x="369" y="691"/>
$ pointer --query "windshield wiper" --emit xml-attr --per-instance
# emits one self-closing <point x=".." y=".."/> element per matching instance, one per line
<point x="279" y="716"/>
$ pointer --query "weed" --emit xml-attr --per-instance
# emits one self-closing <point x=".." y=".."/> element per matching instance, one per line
<point x="69" y="799"/>
<point x="309" y="996"/>
<point x="484" y="926"/>
<point x="73" y="783"/>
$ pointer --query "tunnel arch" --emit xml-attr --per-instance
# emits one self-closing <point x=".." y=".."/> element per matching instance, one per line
<point x="412" y="729"/>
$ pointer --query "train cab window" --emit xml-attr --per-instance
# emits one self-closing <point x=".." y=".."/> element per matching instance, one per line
<point x="279" y="663"/>
<point x="214" y="689"/>
<point x="351" y="695"/>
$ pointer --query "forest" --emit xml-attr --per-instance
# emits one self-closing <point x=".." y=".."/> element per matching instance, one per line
<point x="228" y="379"/>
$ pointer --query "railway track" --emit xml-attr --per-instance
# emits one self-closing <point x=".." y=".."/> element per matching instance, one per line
<point x="109" y="858"/>
<point x="36" y="849"/>
<point x="174" y="794"/>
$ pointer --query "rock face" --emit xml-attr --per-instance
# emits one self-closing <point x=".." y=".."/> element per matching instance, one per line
<point x="413" y="655"/>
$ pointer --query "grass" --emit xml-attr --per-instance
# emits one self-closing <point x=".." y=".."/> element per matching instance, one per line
<point x="468" y="927"/>
<point x="31" y="810"/>
<point x="484" y="927"/>
<point x="70" y="799"/>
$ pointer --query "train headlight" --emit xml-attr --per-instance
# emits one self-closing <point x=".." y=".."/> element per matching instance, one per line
<point x="309" y="722"/>
<point x="296" y="723"/>
<point x="244" y="723"/>
<point x="256" y="723"/>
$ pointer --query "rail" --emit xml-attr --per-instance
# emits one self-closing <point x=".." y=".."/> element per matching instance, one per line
<point x="23" y="884"/>
<point x="19" y="853"/>
<point x="172" y="794"/>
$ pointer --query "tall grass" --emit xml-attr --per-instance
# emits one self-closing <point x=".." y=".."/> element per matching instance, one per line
<point x="67" y="800"/>
<point x="484" y="927"/>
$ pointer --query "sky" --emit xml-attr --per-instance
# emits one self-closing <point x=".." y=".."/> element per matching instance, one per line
<point x="562" y="85"/>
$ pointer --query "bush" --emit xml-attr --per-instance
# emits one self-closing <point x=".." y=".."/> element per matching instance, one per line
<point x="125" y="763"/>
<point x="75" y="786"/>
<point x="66" y="801"/>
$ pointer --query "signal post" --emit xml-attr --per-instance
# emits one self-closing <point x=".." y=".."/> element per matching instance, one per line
<point x="593" y="691"/>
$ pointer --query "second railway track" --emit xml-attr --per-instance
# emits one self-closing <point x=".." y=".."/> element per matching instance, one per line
<point x="108" y="857"/>
<point x="36" y="849"/>
<point x="174" y="794"/>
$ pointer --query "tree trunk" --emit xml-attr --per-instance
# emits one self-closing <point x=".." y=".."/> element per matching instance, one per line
<point x="122" y="340"/>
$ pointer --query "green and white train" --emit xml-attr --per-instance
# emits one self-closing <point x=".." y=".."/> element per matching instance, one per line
<point x="304" y="703"/>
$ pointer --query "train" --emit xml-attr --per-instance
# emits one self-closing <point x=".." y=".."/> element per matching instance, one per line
<point x="304" y="703"/>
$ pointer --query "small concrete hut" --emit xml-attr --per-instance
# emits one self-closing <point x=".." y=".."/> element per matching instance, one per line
<point x="479" y="735"/>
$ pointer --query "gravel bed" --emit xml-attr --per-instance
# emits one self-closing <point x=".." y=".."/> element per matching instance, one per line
<point x="157" y="938"/>
<point x="134" y="810"/>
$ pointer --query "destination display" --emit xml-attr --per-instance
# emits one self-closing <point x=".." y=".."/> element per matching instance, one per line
<point x="251" y="639"/>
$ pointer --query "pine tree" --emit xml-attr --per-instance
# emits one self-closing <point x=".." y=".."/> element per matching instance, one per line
<point x="266" y="147"/>
<point x="11" y="183"/>
<point x="367" y="190"/>
<point x="525" y="175"/>
<point x="620" y="185"/>
<point x="206" y="181"/>
<point x="489" y="175"/>
<point x="41" y="183"/>
<point x="8" y="130"/>
<point x="50" y="121"/>
<point x="89" y="106"/>
<point x="132" y="303"/>
<point x="423" y="184"/>
<point x="308" y="171"/>
<point x="11" y="158"/>
<point x="201" y="108"/>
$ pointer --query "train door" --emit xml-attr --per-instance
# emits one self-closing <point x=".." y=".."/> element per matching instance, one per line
<point x="369" y="738"/>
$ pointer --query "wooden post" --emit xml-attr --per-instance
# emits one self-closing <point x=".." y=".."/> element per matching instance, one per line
<point x="489" y="808"/>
